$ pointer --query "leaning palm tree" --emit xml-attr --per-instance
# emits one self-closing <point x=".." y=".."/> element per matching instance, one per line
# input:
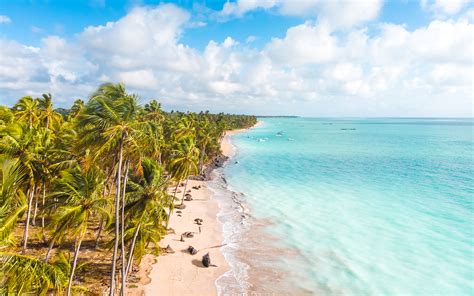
<point x="185" y="162"/>
<point x="80" y="193"/>
<point x="147" y="200"/>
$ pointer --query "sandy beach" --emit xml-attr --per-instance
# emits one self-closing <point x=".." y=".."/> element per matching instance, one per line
<point x="181" y="273"/>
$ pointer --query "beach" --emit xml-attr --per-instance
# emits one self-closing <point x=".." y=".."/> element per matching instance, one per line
<point x="181" y="273"/>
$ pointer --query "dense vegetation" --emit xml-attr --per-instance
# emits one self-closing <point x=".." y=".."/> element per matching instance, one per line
<point x="95" y="176"/>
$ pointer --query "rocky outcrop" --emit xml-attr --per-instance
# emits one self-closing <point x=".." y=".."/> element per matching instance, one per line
<point x="215" y="163"/>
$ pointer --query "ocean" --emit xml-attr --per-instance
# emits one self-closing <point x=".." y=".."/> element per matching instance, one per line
<point x="349" y="207"/>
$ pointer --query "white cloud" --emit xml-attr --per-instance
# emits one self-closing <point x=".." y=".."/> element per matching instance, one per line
<point x="241" y="7"/>
<point x="336" y="13"/>
<point x="4" y="19"/>
<point x="304" y="44"/>
<point x="444" y="7"/>
<point x="311" y="70"/>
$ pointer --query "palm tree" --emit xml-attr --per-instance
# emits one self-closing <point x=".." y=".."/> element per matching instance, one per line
<point x="76" y="108"/>
<point x="47" y="113"/>
<point x="185" y="162"/>
<point x="108" y="124"/>
<point x="26" y="110"/>
<point x="19" y="141"/>
<point x="80" y="193"/>
<point x="6" y="116"/>
<point x="147" y="200"/>
<point x="12" y="199"/>
<point x="204" y="138"/>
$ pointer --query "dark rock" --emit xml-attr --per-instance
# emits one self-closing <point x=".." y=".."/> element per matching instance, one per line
<point x="206" y="260"/>
<point x="181" y="207"/>
<point x="192" y="250"/>
<point x="217" y="162"/>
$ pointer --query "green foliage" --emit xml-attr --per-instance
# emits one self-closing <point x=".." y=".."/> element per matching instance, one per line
<point x="21" y="274"/>
<point x="104" y="156"/>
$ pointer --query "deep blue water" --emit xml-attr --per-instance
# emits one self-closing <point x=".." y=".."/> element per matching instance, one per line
<point x="372" y="206"/>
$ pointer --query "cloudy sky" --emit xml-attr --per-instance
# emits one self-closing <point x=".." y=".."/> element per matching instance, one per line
<point x="349" y="58"/>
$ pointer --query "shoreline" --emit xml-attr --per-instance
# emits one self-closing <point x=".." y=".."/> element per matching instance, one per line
<point x="181" y="273"/>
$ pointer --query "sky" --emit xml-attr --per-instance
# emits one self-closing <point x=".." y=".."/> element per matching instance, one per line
<point x="339" y="58"/>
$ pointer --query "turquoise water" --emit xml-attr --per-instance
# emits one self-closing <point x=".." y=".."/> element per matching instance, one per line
<point x="370" y="207"/>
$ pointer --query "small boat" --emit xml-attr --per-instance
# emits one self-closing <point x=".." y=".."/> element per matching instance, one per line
<point x="279" y="134"/>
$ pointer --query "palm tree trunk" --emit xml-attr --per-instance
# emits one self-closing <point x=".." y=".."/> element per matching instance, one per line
<point x="184" y="192"/>
<point x="132" y="248"/>
<point x="74" y="263"/>
<point x="123" y="229"/>
<point x="43" y="233"/>
<point x="201" y="161"/>
<point x="50" y="248"/>
<point x="27" y="222"/>
<point x="101" y="223"/>
<point x="171" y="211"/>
<point x="33" y="220"/>
<point x="117" y="220"/>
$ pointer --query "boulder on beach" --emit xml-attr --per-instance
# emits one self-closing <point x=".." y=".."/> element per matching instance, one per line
<point x="206" y="260"/>
<point x="180" y="207"/>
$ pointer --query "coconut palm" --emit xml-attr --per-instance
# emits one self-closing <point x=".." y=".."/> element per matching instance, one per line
<point x="76" y="108"/>
<point x="147" y="200"/>
<point x="26" y="110"/>
<point x="108" y="124"/>
<point x="80" y="193"/>
<point x="21" y="142"/>
<point x="46" y="111"/>
<point x="6" y="116"/>
<point x="12" y="199"/>
<point x="204" y="138"/>
<point x="106" y="148"/>
<point x="185" y="162"/>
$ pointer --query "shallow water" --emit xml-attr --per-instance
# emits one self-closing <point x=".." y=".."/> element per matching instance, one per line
<point x="350" y="207"/>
